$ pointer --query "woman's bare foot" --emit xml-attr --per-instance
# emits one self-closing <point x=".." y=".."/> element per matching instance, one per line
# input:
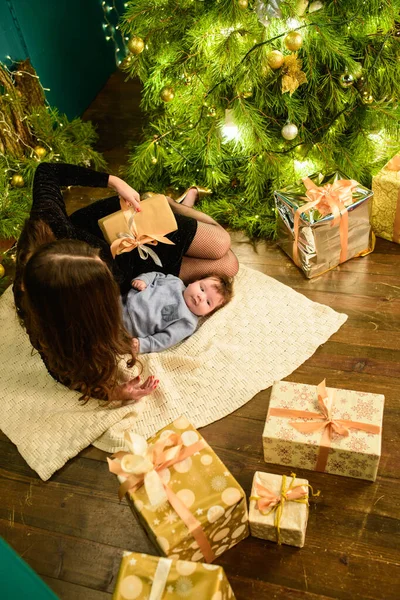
<point x="190" y="198"/>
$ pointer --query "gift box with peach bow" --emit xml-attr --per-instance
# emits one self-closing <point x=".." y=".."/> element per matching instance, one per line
<point x="127" y="230"/>
<point x="385" y="217"/>
<point x="278" y="508"/>
<point x="189" y="503"/>
<point x="324" y="429"/>
<point x="142" y="577"/>
<point x="322" y="221"/>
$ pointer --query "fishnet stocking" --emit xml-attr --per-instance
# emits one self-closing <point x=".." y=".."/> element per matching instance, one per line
<point x="209" y="253"/>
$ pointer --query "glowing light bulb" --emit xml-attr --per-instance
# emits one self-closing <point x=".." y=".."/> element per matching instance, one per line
<point x="230" y="130"/>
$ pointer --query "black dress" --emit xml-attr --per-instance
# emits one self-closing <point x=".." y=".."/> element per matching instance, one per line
<point x="48" y="205"/>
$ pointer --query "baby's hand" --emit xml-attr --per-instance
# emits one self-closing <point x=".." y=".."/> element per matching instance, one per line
<point x="139" y="285"/>
<point x="135" y="345"/>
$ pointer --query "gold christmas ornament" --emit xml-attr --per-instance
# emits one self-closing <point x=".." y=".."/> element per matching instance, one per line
<point x="314" y="6"/>
<point x="367" y="98"/>
<point x="135" y="45"/>
<point x="243" y="4"/>
<point x="289" y="131"/>
<point x="154" y="160"/>
<point x="167" y="94"/>
<point x="293" y="75"/>
<point x="188" y="80"/>
<point x="293" y="41"/>
<point x="346" y="80"/>
<point x="17" y="181"/>
<point x="275" y="59"/>
<point x="2" y="271"/>
<point x="212" y="112"/>
<point x="40" y="151"/>
<point x="247" y="93"/>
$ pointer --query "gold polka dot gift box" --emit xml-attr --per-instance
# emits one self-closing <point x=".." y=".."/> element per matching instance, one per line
<point x="279" y="508"/>
<point x="189" y="503"/>
<point x="324" y="429"/>
<point x="385" y="217"/>
<point x="144" y="577"/>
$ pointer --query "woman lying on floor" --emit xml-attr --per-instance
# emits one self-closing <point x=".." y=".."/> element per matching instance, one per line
<point x="67" y="285"/>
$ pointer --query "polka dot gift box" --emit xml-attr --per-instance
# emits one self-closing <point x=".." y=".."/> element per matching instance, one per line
<point x="189" y="503"/>
<point x="279" y="508"/>
<point x="324" y="429"/>
<point x="142" y="577"/>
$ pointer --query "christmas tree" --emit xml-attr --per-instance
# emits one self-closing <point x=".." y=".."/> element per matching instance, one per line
<point x="244" y="97"/>
<point x="32" y="131"/>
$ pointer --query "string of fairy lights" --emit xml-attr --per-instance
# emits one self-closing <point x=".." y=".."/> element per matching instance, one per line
<point x="112" y="31"/>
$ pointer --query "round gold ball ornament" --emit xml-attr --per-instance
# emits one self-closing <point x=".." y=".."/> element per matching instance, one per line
<point x="135" y="45"/>
<point x="247" y="93"/>
<point x="17" y="181"/>
<point x="154" y="160"/>
<point x="212" y="111"/>
<point x="167" y="94"/>
<point x="293" y="41"/>
<point x="188" y="80"/>
<point x="40" y="151"/>
<point x="367" y="97"/>
<point x="346" y="80"/>
<point x="2" y="271"/>
<point x="243" y="4"/>
<point x="275" y="59"/>
<point x="397" y="34"/>
<point x="289" y="131"/>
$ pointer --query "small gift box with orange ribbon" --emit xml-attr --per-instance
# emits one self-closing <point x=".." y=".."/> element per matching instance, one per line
<point x="324" y="429"/>
<point x="189" y="503"/>
<point x="322" y="221"/>
<point x="126" y="229"/>
<point x="145" y="577"/>
<point x="385" y="218"/>
<point x="279" y="508"/>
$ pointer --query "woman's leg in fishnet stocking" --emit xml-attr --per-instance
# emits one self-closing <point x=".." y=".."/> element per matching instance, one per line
<point x="209" y="251"/>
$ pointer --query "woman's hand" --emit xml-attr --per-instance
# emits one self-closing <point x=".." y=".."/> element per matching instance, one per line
<point x="133" y="390"/>
<point x="125" y="191"/>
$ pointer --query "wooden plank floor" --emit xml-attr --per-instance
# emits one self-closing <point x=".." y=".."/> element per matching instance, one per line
<point x="72" y="529"/>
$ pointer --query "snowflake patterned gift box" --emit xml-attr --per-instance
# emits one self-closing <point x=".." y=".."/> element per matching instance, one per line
<point x="385" y="217"/>
<point x="145" y="577"/>
<point x="324" y="220"/>
<point x="324" y="429"/>
<point x="278" y="508"/>
<point x="189" y="503"/>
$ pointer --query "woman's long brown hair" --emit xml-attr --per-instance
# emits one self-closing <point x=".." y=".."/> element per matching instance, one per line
<point x="71" y="309"/>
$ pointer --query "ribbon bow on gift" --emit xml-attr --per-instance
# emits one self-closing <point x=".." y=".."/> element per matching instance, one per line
<point x="129" y="240"/>
<point x="141" y="466"/>
<point x="266" y="499"/>
<point x="324" y="422"/>
<point x="328" y="199"/>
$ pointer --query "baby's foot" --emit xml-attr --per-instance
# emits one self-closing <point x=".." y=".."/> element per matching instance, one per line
<point x="190" y="198"/>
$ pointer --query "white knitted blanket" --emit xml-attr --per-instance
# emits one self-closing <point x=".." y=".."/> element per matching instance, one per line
<point x="264" y="334"/>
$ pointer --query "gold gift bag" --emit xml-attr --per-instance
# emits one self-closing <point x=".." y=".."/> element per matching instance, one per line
<point x="190" y="505"/>
<point x="385" y="217"/>
<point x="142" y="577"/>
<point x="127" y="229"/>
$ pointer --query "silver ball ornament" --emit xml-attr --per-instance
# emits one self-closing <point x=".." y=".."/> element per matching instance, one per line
<point x="346" y="80"/>
<point x="289" y="131"/>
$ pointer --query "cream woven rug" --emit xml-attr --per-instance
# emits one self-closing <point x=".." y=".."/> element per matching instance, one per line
<point x="255" y="340"/>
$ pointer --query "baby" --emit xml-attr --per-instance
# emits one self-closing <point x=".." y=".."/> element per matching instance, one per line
<point x="161" y="311"/>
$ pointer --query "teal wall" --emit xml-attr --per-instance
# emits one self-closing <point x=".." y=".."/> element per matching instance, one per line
<point x="66" y="44"/>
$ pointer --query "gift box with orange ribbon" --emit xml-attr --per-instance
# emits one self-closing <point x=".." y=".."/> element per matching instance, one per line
<point x="385" y="218"/>
<point x="278" y="508"/>
<point x="322" y="221"/>
<point x="145" y="577"/>
<point x="127" y="230"/>
<point x="324" y="429"/>
<point x="189" y="503"/>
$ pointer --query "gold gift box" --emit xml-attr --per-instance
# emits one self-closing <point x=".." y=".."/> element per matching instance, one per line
<point x="141" y="575"/>
<point x="386" y="204"/>
<point x="293" y="522"/>
<point x="205" y="486"/>
<point x="155" y="219"/>
<point x="319" y="243"/>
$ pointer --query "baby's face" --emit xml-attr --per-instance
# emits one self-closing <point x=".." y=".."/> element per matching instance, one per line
<point x="202" y="297"/>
